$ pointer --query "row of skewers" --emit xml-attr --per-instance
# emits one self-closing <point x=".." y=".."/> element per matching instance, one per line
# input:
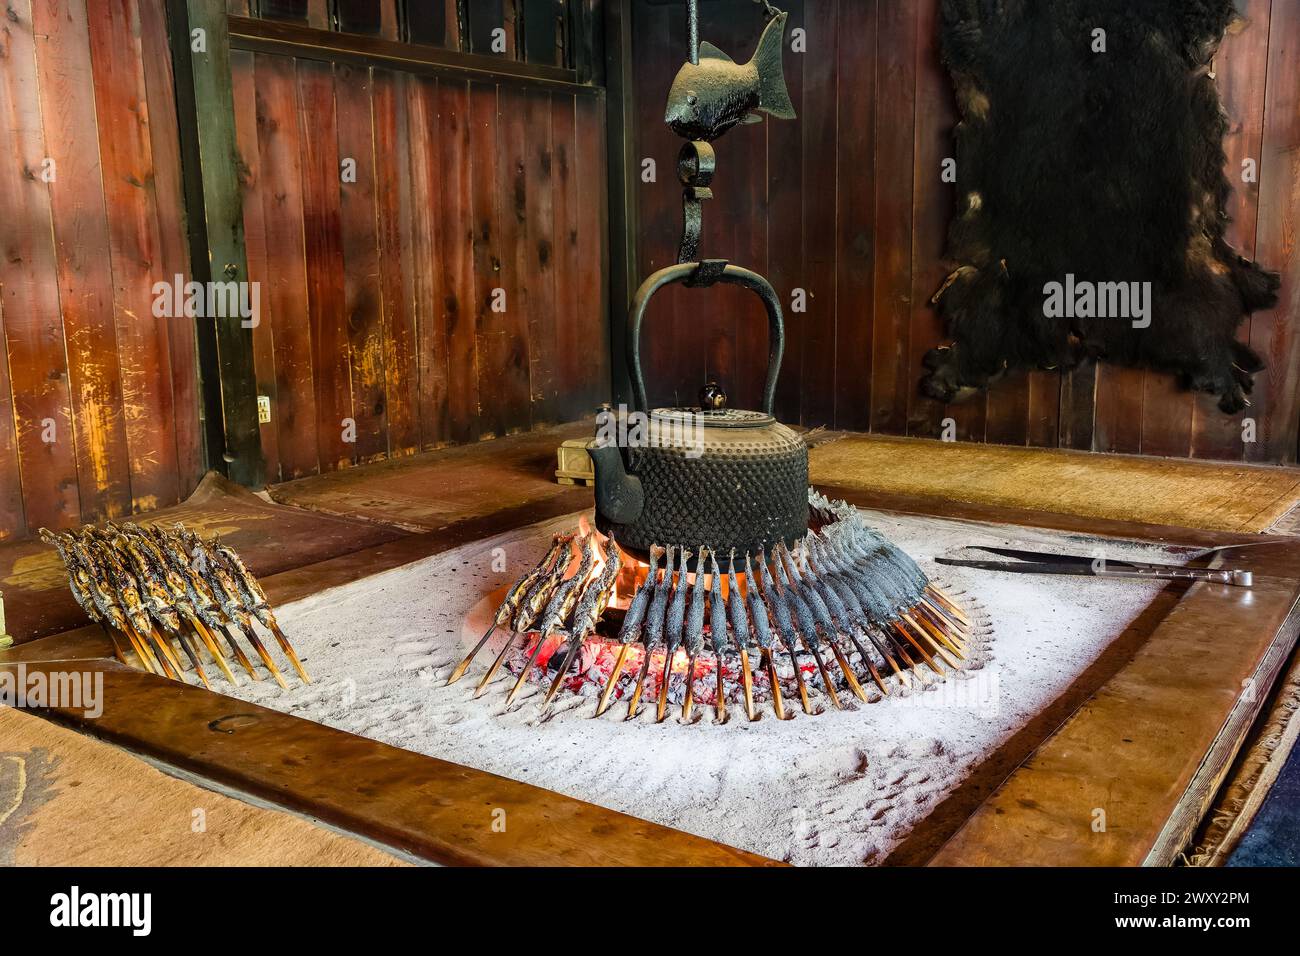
<point x="155" y="590"/>
<point x="843" y="592"/>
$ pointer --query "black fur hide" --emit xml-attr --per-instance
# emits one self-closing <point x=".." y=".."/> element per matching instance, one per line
<point x="1108" y="166"/>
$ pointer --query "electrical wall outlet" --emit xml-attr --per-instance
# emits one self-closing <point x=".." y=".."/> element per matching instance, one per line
<point x="263" y="409"/>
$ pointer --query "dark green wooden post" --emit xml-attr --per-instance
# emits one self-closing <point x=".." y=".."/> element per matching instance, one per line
<point x="215" y="215"/>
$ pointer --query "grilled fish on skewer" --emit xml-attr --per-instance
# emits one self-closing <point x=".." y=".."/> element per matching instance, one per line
<point x="157" y="600"/>
<point x="785" y="625"/>
<point x="223" y="590"/>
<point x="844" y="604"/>
<point x="514" y="597"/>
<point x="870" y="610"/>
<point x="633" y="625"/>
<point x="717" y="632"/>
<point x="804" y="586"/>
<point x="739" y="620"/>
<point x="253" y="597"/>
<point x="204" y="601"/>
<point x="654" y="627"/>
<point x="693" y="634"/>
<point x="762" y="619"/>
<point x="112" y="578"/>
<point x="79" y="585"/>
<point x="532" y="601"/>
<point x="674" y="625"/>
<point x="531" y="606"/>
<point x="805" y="623"/>
<point x="106" y="601"/>
<point x="591" y="605"/>
<point x="177" y="585"/>
<point x="558" y="610"/>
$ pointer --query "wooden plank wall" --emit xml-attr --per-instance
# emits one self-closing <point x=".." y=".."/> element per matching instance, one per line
<point x="454" y="292"/>
<point x="98" y="398"/>
<point x="847" y="203"/>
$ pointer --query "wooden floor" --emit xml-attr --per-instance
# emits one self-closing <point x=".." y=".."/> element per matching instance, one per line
<point x="1129" y="711"/>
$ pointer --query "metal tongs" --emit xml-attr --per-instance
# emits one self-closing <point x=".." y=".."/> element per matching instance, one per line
<point x="1034" y="562"/>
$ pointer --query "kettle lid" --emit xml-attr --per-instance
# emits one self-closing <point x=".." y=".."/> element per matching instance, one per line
<point x="695" y="417"/>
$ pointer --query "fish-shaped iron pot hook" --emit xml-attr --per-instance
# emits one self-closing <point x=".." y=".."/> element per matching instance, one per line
<point x="710" y="97"/>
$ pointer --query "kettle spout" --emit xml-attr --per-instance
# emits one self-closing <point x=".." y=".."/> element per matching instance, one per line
<point x="619" y="496"/>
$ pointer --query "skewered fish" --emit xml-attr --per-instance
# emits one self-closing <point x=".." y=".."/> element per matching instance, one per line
<point x="558" y="610"/>
<point x="591" y="605"/>
<point x="674" y="626"/>
<point x="514" y="597"/>
<point x="157" y="587"/>
<point x="840" y="585"/>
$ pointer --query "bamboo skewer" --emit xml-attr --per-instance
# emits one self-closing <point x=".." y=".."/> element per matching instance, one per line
<point x="688" y="700"/>
<point x="871" y="667"/>
<point x="931" y="636"/>
<point x="640" y="684"/>
<point x="523" y="674"/>
<point x="496" y="665"/>
<point x="949" y="604"/>
<point x="574" y="645"/>
<point x="848" y="672"/>
<point x="777" y="704"/>
<point x="747" y="681"/>
<point x="463" y="666"/>
<point x="194" y="659"/>
<point x="821" y="669"/>
<point x="798" y="679"/>
<point x="613" y="679"/>
<point x="266" y="658"/>
<point x="289" y="652"/>
<point x="720" y="705"/>
<point x="206" y="637"/>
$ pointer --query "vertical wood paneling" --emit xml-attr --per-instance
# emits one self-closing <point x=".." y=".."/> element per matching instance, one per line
<point x="174" y="256"/>
<point x="360" y="243"/>
<point x="895" y="138"/>
<point x="423" y="235"/>
<point x="327" y="314"/>
<point x="536" y="255"/>
<point x="85" y="276"/>
<point x="403" y="195"/>
<point x="660" y="34"/>
<point x="1274" y="334"/>
<point x="572" y="353"/>
<point x="30" y="303"/>
<point x="284" y="286"/>
<point x="932" y="201"/>
<point x="127" y="161"/>
<point x="856" y="175"/>
<point x="244" y="87"/>
<point x="592" y="266"/>
<point x="460" y="244"/>
<point x="821" y="209"/>
<point x="487" y="267"/>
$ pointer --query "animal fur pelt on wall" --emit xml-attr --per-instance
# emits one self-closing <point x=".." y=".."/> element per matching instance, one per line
<point x="1084" y="168"/>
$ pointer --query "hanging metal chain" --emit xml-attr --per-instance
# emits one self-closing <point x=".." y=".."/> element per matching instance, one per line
<point x="769" y="11"/>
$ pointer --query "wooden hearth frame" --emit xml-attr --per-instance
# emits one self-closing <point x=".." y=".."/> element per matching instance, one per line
<point x="1146" y="734"/>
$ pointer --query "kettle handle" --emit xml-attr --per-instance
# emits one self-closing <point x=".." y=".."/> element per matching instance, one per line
<point x="735" y="275"/>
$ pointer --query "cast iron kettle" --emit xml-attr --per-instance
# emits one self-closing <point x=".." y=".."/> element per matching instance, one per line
<point x="714" y="477"/>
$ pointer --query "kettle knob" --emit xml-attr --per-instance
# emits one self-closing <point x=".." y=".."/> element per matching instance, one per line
<point x="712" y="396"/>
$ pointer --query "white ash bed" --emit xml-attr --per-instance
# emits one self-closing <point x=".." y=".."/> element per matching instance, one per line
<point x="831" y="789"/>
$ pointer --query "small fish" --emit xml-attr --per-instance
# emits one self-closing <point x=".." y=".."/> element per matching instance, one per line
<point x="710" y="97"/>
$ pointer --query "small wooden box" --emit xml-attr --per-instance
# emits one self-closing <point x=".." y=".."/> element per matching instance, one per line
<point x="573" y="464"/>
